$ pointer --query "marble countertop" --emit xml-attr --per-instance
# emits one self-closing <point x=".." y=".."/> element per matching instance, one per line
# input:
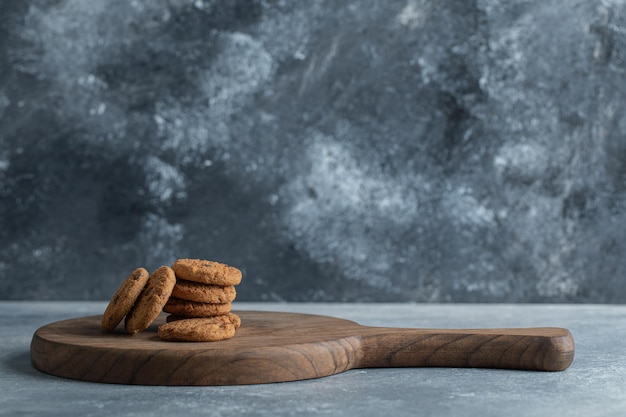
<point x="593" y="386"/>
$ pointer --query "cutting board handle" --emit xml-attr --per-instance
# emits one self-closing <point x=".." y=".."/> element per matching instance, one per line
<point x="541" y="349"/>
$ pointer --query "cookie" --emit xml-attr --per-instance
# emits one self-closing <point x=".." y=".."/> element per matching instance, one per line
<point x="207" y="272"/>
<point x="124" y="299"/>
<point x="203" y="293"/>
<point x="195" y="309"/>
<point x="231" y="318"/>
<point x="151" y="300"/>
<point x="196" y="330"/>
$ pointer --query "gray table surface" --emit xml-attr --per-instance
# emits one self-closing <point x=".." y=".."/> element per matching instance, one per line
<point x="595" y="384"/>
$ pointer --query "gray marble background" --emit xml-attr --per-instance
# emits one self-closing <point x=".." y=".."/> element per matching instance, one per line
<point x="413" y="150"/>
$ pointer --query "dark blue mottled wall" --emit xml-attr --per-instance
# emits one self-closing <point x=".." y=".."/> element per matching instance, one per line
<point x="414" y="150"/>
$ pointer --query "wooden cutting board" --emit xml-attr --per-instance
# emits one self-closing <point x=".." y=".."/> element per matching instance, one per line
<point x="278" y="347"/>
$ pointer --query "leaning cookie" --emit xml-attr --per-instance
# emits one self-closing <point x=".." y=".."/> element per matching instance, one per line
<point x="204" y="293"/>
<point x="207" y="272"/>
<point x="124" y="299"/>
<point x="196" y="330"/>
<point x="195" y="309"/>
<point x="151" y="300"/>
<point x="230" y="318"/>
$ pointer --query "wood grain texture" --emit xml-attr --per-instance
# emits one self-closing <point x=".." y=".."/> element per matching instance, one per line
<point x="277" y="347"/>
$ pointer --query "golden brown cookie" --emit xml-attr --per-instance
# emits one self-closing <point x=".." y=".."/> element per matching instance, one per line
<point x="196" y="330"/>
<point x="195" y="309"/>
<point x="207" y="272"/>
<point x="231" y="318"/>
<point x="151" y="300"/>
<point x="204" y="293"/>
<point x="124" y="299"/>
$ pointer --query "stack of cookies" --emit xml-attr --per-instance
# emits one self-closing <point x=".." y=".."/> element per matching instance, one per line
<point x="201" y="300"/>
<point x="197" y="293"/>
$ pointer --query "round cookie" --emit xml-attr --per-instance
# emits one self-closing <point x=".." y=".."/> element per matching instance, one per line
<point x="124" y="299"/>
<point x="207" y="272"/>
<point x="196" y="330"/>
<point x="151" y="300"/>
<point x="203" y="293"/>
<point x="230" y="318"/>
<point x="195" y="309"/>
